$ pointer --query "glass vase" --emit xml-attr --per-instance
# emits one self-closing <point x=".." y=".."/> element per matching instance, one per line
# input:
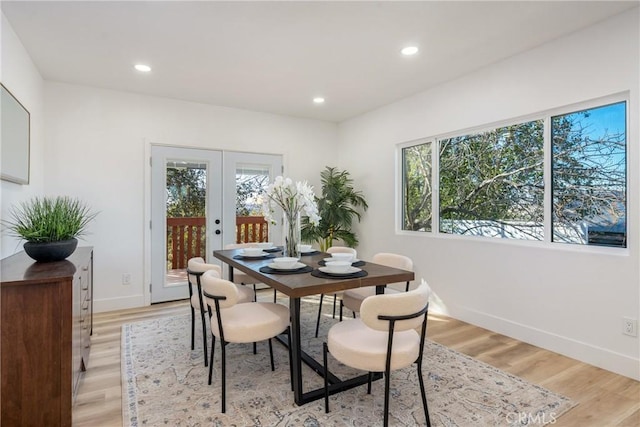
<point x="292" y="235"/>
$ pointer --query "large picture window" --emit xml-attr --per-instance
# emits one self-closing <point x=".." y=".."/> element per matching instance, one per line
<point x="491" y="183"/>
<point x="590" y="176"/>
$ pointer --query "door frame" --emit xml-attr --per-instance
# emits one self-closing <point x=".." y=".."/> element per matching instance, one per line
<point x="147" y="273"/>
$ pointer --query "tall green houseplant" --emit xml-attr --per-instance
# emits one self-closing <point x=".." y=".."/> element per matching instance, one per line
<point x="338" y="207"/>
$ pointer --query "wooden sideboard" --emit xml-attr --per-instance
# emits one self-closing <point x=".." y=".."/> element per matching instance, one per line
<point x="46" y="322"/>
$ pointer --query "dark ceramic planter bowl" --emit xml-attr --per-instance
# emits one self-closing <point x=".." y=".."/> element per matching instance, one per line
<point x="50" y="251"/>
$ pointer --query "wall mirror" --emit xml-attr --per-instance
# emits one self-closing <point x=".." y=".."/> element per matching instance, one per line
<point x="15" y="139"/>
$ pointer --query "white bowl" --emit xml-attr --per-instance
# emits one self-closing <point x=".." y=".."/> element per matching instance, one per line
<point x="263" y="245"/>
<point x="304" y="248"/>
<point x="338" y="266"/>
<point x="285" y="262"/>
<point x="342" y="256"/>
<point x="252" y="251"/>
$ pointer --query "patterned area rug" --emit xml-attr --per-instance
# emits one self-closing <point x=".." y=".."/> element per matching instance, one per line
<point x="165" y="383"/>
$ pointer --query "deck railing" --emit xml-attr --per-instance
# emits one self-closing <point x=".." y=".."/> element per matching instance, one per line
<point x="186" y="237"/>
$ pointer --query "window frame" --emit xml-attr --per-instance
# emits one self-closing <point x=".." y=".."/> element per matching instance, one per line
<point x="546" y="117"/>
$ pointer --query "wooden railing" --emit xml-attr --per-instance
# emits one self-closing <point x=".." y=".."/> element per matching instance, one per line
<point x="251" y="229"/>
<point x="186" y="237"/>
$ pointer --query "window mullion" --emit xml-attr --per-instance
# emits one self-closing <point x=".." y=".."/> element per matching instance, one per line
<point x="547" y="177"/>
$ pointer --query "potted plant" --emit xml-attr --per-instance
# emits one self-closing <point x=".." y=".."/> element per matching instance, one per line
<point x="49" y="225"/>
<point x="338" y="207"/>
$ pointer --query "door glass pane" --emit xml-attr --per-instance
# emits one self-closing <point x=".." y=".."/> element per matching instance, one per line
<point x="186" y="186"/>
<point x="251" y="182"/>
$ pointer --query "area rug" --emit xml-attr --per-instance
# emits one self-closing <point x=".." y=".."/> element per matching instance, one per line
<point x="164" y="382"/>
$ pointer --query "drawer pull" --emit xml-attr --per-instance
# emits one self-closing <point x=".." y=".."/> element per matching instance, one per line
<point x="84" y="289"/>
<point x="87" y="346"/>
<point x="85" y="268"/>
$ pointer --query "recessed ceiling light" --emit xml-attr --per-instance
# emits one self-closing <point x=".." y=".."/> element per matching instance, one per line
<point x="143" y="68"/>
<point x="409" y="50"/>
<point x="318" y="100"/>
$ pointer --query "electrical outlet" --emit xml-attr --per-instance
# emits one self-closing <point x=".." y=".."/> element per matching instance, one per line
<point x="126" y="279"/>
<point x="630" y="326"/>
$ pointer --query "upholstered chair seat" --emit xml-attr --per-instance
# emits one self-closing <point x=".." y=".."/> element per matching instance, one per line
<point x="383" y="339"/>
<point x="352" y="298"/>
<point x="232" y="322"/>
<point x="334" y="250"/>
<point x="195" y="269"/>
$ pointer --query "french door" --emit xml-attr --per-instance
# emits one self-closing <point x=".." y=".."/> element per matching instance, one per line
<point x="196" y="196"/>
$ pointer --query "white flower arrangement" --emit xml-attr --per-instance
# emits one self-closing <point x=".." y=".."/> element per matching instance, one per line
<point x="293" y="198"/>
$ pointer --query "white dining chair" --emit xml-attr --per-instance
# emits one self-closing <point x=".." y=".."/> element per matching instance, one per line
<point x="383" y="339"/>
<point x="240" y="323"/>
<point x="352" y="298"/>
<point x="195" y="269"/>
<point x="334" y="250"/>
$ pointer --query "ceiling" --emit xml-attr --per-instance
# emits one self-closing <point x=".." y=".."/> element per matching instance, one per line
<point x="276" y="56"/>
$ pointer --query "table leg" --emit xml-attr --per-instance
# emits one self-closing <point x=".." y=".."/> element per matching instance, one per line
<point x="296" y="351"/>
<point x="230" y="274"/>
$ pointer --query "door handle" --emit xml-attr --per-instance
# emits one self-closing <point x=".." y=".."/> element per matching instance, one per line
<point x="217" y="221"/>
<point x="218" y="231"/>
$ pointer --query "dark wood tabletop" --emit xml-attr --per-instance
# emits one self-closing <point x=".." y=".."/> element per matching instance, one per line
<point x="304" y="284"/>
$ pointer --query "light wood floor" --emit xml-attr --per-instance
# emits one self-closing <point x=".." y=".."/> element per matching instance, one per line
<point x="605" y="399"/>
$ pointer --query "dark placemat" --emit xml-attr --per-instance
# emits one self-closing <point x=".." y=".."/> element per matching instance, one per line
<point x="254" y="257"/>
<point x="318" y="273"/>
<point x="270" y="270"/>
<point x="353" y="264"/>
<point x="309" y="253"/>
<point x="274" y="249"/>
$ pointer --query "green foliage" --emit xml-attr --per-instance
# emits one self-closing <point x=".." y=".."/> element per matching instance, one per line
<point x="248" y="189"/>
<point x="186" y="192"/>
<point x="339" y="205"/>
<point x="49" y="219"/>
<point x="494" y="175"/>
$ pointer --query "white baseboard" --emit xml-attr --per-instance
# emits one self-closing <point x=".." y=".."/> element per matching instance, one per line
<point x="119" y="303"/>
<point x="597" y="356"/>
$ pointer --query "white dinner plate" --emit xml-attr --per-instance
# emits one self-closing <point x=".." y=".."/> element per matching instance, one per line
<point x="296" y="266"/>
<point x="353" y="261"/>
<point x="351" y="270"/>
<point x="263" y="254"/>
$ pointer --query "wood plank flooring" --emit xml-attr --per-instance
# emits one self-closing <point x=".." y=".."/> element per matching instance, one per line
<point x="605" y="399"/>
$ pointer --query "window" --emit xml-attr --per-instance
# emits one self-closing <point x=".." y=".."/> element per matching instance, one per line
<point x="491" y="183"/>
<point x="589" y="176"/>
<point x="416" y="187"/>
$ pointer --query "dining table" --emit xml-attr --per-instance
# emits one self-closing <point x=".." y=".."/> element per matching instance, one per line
<point x="304" y="282"/>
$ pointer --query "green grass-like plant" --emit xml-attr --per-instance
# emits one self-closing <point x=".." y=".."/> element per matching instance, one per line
<point x="48" y="219"/>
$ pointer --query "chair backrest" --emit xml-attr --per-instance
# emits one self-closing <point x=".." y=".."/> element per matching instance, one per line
<point x="225" y="291"/>
<point x="343" y="250"/>
<point x="396" y="261"/>
<point x="198" y="265"/>
<point x="398" y="304"/>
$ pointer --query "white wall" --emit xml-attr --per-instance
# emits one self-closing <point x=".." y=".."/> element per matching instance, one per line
<point x="20" y="76"/>
<point x="565" y="299"/>
<point x="96" y="145"/>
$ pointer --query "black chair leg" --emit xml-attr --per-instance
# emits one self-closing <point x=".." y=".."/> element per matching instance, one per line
<point x="204" y="336"/>
<point x="273" y="367"/>
<point x="213" y="343"/>
<point x="255" y="293"/>
<point x="335" y="299"/>
<point x="424" y="396"/>
<point x="369" y="377"/>
<point x="255" y="350"/>
<point x="193" y="328"/>
<point x="319" y="313"/>
<point x="224" y="376"/>
<point x="387" y="384"/>
<point x="341" y="305"/>
<point x="326" y="374"/>
<point x="275" y="296"/>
